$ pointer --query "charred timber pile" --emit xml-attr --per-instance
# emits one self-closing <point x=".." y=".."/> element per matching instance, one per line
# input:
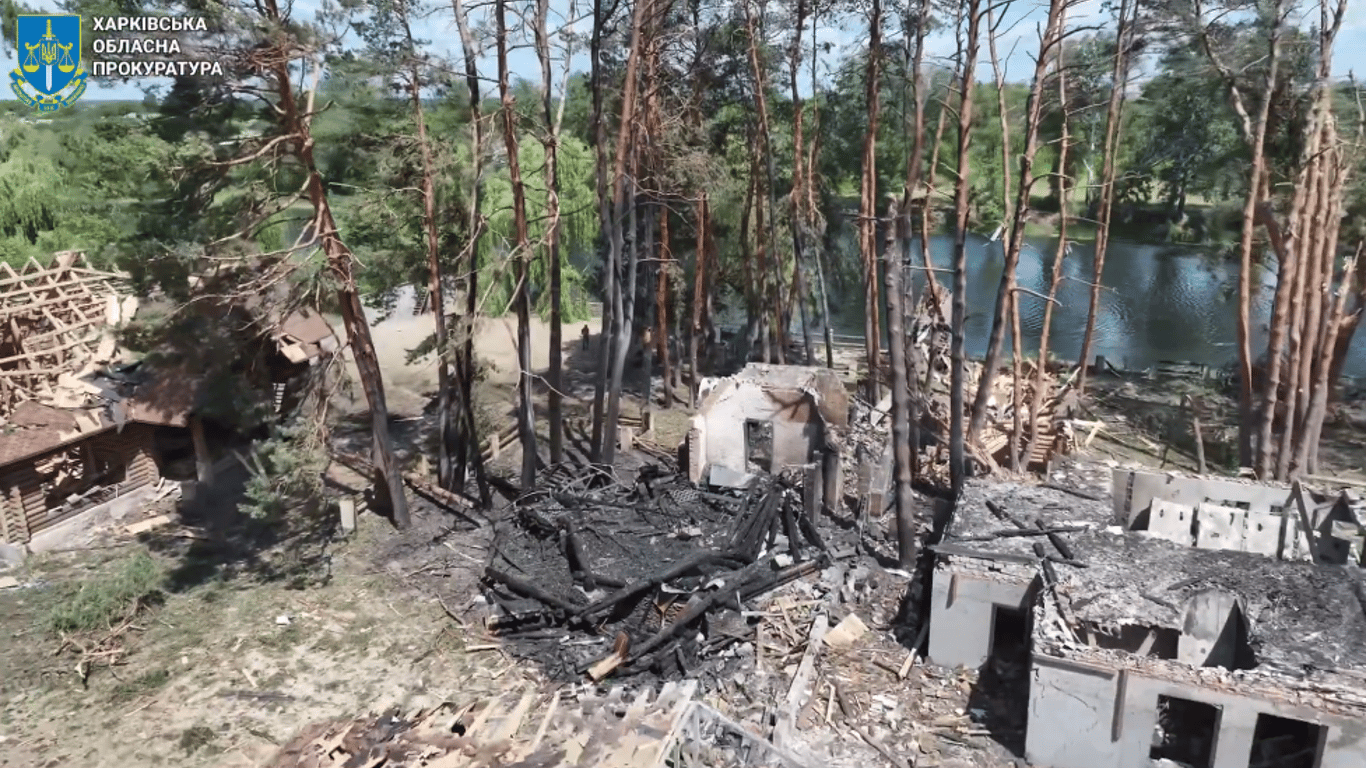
<point x="651" y="576"/>
<point x="1026" y="421"/>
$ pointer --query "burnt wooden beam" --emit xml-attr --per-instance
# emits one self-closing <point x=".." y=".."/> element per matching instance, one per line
<point x="527" y="589"/>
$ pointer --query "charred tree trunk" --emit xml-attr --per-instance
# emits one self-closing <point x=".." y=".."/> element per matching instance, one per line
<point x="469" y="453"/>
<point x="553" y="121"/>
<point x="1036" y="402"/>
<point x="611" y="260"/>
<point x="526" y="413"/>
<point x="447" y="442"/>
<point x="700" y="267"/>
<point x="662" y="310"/>
<point x="1005" y="292"/>
<point x="968" y="63"/>
<point x="626" y="298"/>
<point x="623" y="206"/>
<point x="914" y="169"/>
<point x="1009" y="225"/>
<point x="902" y="467"/>
<point x="868" y="209"/>
<point x="1254" y="134"/>
<point x="296" y="120"/>
<point x="652" y="268"/>
<point x="926" y="212"/>
<point x="811" y="209"/>
<point x="1113" y="115"/>
<point x="799" y="216"/>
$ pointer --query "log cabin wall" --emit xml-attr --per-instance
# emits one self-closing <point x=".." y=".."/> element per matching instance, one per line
<point x="25" y="509"/>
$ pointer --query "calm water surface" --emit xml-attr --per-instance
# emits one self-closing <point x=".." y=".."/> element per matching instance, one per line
<point x="1158" y="302"/>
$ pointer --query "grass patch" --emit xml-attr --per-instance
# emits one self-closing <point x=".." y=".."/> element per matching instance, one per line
<point x="100" y="602"/>
<point x="197" y="737"/>
<point x="141" y="685"/>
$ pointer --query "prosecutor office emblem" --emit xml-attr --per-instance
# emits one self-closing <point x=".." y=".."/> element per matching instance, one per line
<point x="49" y="75"/>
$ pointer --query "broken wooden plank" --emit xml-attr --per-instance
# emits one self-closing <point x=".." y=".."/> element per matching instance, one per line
<point x="787" y="718"/>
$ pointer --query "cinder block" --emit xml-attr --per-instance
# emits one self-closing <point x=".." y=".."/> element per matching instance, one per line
<point x="1219" y="527"/>
<point x="1262" y="533"/>
<point x="1171" y="521"/>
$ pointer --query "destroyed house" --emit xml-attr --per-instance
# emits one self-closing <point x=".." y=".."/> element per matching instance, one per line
<point x="765" y="419"/>
<point x="1204" y="658"/>
<point x="1218" y="513"/>
<point x="1213" y="645"/>
<point x="79" y="428"/>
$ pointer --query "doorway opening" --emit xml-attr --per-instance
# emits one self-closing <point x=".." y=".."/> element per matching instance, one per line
<point x="1186" y="731"/>
<point x="759" y="445"/>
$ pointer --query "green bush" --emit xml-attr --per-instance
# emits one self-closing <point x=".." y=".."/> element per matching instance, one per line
<point x="101" y="602"/>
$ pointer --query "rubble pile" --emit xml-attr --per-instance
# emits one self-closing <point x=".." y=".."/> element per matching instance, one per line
<point x="599" y="577"/>
<point x="563" y="728"/>
<point x="930" y="335"/>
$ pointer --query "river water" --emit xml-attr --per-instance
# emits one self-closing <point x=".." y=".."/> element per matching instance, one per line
<point x="1159" y="302"/>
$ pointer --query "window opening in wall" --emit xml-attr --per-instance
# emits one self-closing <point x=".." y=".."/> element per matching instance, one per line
<point x="1153" y="642"/>
<point x="1281" y="742"/>
<point x="1009" y="635"/>
<point x="1186" y="732"/>
<point x="79" y="477"/>
<point x="759" y="444"/>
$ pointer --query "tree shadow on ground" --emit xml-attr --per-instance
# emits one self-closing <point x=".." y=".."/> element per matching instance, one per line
<point x="226" y="543"/>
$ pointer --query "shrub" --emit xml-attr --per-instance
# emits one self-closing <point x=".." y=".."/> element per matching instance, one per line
<point x="101" y="602"/>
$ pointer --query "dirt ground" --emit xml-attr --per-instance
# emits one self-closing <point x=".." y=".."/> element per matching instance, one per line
<point x="257" y="632"/>
<point x="1146" y="422"/>
<point x="245" y="648"/>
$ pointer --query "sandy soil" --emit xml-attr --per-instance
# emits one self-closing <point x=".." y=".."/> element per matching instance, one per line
<point x="243" y="654"/>
<point x="409" y="386"/>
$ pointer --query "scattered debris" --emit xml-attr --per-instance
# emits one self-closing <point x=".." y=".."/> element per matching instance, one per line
<point x="657" y="569"/>
<point x="846" y="633"/>
<point x="601" y="729"/>
<point x="1243" y="615"/>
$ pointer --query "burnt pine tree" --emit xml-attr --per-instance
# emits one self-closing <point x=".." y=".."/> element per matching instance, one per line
<point x="968" y="45"/>
<point x="468" y="453"/>
<point x="271" y="52"/>
<point x="521" y="254"/>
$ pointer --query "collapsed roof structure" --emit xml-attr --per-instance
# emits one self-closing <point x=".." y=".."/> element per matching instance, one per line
<point x="78" y="427"/>
<point x="1210" y="622"/>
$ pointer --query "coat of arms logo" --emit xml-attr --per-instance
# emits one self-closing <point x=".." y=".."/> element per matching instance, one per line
<point x="49" y="75"/>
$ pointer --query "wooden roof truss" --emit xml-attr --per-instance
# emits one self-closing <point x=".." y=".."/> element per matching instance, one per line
<point x="52" y="321"/>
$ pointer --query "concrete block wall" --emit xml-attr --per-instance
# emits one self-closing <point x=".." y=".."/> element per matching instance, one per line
<point x="1086" y="716"/>
<point x="1134" y="492"/>
<point x="1187" y="511"/>
<point x="962" y="611"/>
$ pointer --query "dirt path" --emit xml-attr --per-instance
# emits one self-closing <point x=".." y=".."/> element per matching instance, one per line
<point x="409" y="386"/>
